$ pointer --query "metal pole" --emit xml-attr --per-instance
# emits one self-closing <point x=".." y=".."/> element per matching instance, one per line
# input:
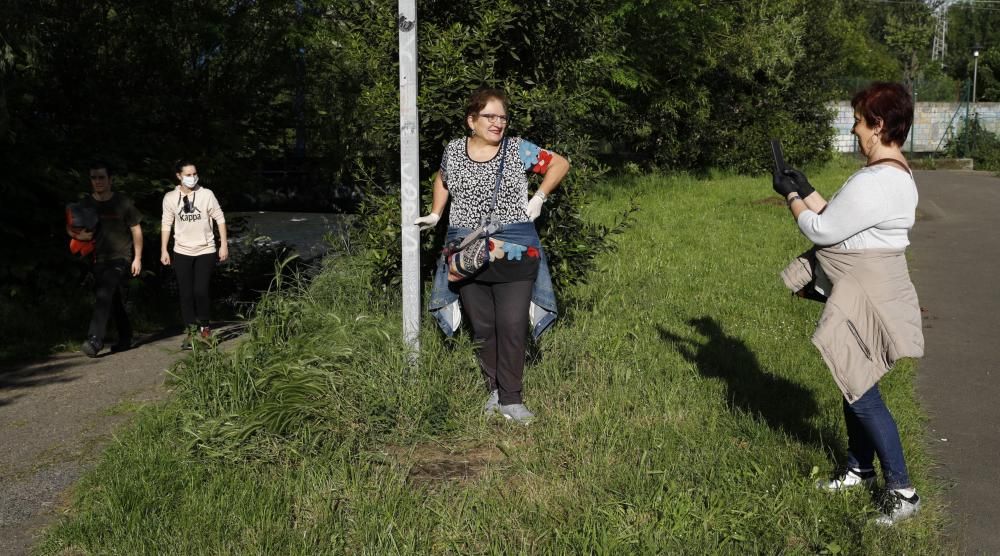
<point x="409" y="173"/>
<point x="913" y="126"/>
<point x="975" y="77"/>
<point x="967" y="130"/>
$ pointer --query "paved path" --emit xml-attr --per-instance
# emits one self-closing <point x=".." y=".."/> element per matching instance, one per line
<point x="57" y="415"/>
<point x="956" y="268"/>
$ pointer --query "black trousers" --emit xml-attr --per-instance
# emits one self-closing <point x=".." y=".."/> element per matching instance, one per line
<point x="194" y="274"/>
<point x="109" y="300"/>
<point x="499" y="316"/>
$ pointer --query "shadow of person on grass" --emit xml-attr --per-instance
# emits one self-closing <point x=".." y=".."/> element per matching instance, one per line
<point x="784" y="405"/>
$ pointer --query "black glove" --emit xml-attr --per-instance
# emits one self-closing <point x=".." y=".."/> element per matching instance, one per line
<point x="802" y="184"/>
<point x="783" y="184"/>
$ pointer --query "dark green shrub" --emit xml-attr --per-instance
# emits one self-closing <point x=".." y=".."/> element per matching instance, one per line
<point x="977" y="143"/>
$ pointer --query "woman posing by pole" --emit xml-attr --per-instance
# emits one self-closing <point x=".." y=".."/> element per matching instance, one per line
<point x="485" y="176"/>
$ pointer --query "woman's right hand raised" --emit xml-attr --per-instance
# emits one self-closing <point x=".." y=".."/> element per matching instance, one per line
<point x="802" y="184"/>
<point x="428" y="221"/>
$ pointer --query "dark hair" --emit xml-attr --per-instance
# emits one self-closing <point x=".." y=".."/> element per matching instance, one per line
<point x="180" y="164"/>
<point x="98" y="164"/>
<point x="889" y="103"/>
<point x="478" y="99"/>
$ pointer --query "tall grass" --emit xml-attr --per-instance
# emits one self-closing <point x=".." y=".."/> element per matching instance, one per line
<point x="681" y="410"/>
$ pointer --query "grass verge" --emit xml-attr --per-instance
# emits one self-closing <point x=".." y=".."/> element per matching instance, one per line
<point x="682" y="409"/>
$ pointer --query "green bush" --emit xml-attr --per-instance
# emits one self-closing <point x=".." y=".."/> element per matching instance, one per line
<point x="977" y="143"/>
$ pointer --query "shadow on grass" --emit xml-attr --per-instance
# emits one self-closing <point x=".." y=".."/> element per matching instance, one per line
<point x="784" y="405"/>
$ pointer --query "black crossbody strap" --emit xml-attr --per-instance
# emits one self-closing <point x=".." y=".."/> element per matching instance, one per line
<point x="496" y="190"/>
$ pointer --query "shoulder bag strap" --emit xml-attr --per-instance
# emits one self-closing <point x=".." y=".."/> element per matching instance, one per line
<point x="894" y="161"/>
<point x="496" y="190"/>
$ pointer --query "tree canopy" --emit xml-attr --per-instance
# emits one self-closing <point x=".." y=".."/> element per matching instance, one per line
<point x="303" y="95"/>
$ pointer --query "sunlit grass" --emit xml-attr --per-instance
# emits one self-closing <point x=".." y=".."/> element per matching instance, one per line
<point x="682" y="409"/>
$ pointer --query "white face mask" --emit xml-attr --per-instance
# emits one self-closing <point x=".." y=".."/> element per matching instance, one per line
<point x="190" y="181"/>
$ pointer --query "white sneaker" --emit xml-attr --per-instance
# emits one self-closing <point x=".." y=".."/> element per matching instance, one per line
<point x="849" y="479"/>
<point x="898" y="508"/>
<point x="492" y="404"/>
<point x="518" y="413"/>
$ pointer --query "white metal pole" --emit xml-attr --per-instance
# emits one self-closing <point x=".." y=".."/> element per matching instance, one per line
<point x="975" y="77"/>
<point x="409" y="173"/>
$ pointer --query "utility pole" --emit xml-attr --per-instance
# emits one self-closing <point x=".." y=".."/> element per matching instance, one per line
<point x="975" y="73"/>
<point x="409" y="174"/>
<point x="940" y="48"/>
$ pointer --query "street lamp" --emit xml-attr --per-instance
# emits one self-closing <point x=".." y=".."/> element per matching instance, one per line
<point x="975" y="71"/>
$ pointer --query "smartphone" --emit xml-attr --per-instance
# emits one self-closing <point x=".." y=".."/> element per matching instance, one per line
<point x="779" y="156"/>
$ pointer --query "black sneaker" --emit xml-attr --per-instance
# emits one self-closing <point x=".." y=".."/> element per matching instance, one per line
<point x="91" y="346"/>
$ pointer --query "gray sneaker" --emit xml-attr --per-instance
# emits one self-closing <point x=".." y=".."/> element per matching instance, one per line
<point x="898" y="508"/>
<point x="492" y="404"/>
<point x="849" y="479"/>
<point x="91" y="347"/>
<point x="517" y="412"/>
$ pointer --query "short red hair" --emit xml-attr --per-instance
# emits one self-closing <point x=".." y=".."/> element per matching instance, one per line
<point x="890" y="104"/>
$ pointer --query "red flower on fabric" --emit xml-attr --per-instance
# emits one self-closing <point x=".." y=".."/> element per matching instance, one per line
<point x="544" y="158"/>
<point x="491" y="247"/>
<point x="533" y="253"/>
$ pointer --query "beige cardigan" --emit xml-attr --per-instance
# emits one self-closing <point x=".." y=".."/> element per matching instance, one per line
<point x="871" y="319"/>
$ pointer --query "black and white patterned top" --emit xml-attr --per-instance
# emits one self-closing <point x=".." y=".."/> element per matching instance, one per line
<point x="471" y="184"/>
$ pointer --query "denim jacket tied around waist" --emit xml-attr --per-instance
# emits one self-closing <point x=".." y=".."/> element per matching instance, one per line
<point x="446" y="306"/>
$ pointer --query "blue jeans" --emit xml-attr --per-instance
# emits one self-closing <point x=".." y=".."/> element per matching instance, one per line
<point x="871" y="430"/>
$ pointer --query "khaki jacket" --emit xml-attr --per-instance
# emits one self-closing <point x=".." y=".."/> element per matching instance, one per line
<point x="872" y="317"/>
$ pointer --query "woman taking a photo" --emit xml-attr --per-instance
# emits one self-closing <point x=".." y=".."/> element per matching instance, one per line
<point x="485" y="176"/>
<point x="872" y="317"/>
<point x="190" y="210"/>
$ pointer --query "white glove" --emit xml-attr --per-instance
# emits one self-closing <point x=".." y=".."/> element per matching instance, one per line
<point x="428" y="221"/>
<point x="535" y="206"/>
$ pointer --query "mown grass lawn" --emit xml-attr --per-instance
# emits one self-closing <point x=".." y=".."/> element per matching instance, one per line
<point x="682" y="409"/>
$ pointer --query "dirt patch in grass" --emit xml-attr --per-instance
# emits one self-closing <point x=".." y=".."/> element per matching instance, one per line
<point x="432" y="464"/>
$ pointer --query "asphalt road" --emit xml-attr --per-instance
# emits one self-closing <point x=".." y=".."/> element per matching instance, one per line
<point x="955" y="265"/>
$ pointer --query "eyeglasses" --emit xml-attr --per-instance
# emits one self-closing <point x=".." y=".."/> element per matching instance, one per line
<point x="492" y="118"/>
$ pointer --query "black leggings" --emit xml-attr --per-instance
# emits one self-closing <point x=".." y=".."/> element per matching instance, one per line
<point x="499" y="316"/>
<point x="193" y="277"/>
